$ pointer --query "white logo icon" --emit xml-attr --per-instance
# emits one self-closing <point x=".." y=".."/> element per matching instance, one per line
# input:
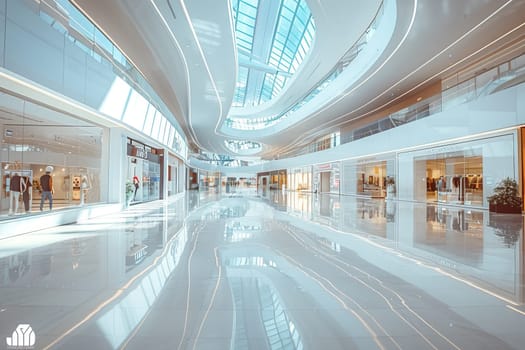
<point x="23" y="336"/>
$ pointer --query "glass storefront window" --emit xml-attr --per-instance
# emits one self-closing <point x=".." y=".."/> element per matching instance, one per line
<point x="37" y="140"/>
<point x="462" y="173"/>
<point x="300" y="179"/>
<point x="143" y="173"/>
<point x="455" y="179"/>
<point x="371" y="179"/>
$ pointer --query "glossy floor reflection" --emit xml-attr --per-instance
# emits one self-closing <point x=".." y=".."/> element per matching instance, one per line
<point x="269" y="271"/>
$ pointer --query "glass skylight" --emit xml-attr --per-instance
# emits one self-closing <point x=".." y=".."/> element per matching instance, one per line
<point x="243" y="146"/>
<point x="241" y="123"/>
<point x="273" y="38"/>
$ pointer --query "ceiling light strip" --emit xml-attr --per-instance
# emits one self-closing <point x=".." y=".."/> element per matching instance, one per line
<point x="436" y="56"/>
<point x="435" y="75"/>
<point x="420" y="67"/>
<point x="401" y="42"/>
<point x="172" y="35"/>
<point x="212" y="80"/>
<point x="409" y="29"/>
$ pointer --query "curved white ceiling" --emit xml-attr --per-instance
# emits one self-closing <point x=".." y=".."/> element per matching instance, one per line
<point x="186" y="51"/>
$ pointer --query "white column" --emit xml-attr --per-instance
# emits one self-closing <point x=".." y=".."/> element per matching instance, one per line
<point x="165" y="165"/>
<point x="116" y="163"/>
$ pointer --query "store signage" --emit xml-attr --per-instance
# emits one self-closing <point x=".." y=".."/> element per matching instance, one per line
<point x="325" y="166"/>
<point x="139" y="153"/>
<point x="442" y="149"/>
<point x="367" y="160"/>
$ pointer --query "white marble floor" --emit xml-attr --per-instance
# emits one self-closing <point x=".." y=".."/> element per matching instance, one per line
<point x="273" y="271"/>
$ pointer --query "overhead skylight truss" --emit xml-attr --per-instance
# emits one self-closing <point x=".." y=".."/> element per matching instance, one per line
<point x="273" y="38"/>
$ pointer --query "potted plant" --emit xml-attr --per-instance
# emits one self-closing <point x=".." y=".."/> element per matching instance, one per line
<point x="505" y="198"/>
<point x="130" y="189"/>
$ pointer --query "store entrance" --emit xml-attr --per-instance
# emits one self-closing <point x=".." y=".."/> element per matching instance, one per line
<point x="325" y="182"/>
<point x="455" y="179"/>
<point x="145" y="178"/>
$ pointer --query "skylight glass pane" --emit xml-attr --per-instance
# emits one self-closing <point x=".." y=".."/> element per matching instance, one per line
<point x="245" y="28"/>
<point x="162" y="129"/>
<point x="135" y="111"/>
<point x="247" y="10"/>
<point x="240" y="92"/>
<point x="166" y="132"/>
<point x="172" y="136"/>
<point x="156" y="125"/>
<point x="276" y="47"/>
<point x="148" y="124"/>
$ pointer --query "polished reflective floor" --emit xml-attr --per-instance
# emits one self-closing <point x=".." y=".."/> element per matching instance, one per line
<point x="270" y="270"/>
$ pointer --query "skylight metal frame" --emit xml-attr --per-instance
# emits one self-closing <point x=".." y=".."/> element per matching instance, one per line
<point x="291" y="38"/>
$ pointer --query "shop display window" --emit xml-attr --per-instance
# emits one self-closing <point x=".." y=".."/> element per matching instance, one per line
<point x="371" y="179"/>
<point x="143" y="172"/>
<point x="455" y="179"/>
<point x="300" y="179"/>
<point x="37" y="140"/>
<point x="458" y="174"/>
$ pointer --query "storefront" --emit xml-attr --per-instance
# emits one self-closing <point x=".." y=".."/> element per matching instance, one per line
<point x="144" y="171"/>
<point x="454" y="178"/>
<point x="462" y="173"/>
<point x="300" y="179"/>
<point x="175" y="182"/>
<point x="369" y="176"/>
<point x="209" y="181"/>
<point x="272" y="180"/>
<point x="326" y="178"/>
<point x="238" y="183"/>
<point x="36" y="139"/>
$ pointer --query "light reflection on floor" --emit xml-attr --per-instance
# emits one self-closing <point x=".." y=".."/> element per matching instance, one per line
<point x="276" y="270"/>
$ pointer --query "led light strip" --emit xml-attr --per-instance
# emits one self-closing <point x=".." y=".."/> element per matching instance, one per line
<point x="337" y="100"/>
<point x="419" y="68"/>
<point x="210" y="76"/>
<point x="172" y="35"/>
<point x="433" y="58"/>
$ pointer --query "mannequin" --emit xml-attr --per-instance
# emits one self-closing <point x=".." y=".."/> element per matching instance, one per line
<point x="136" y="183"/>
<point x="83" y="190"/>
<point x="15" y="187"/>
<point x="46" y="187"/>
<point x="27" y="193"/>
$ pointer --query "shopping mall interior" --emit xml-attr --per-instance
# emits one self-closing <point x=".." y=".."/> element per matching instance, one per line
<point x="262" y="174"/>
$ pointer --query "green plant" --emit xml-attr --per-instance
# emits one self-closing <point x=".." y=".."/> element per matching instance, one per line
<point x="506" y="193"/>
<point x="129" y="189"/>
